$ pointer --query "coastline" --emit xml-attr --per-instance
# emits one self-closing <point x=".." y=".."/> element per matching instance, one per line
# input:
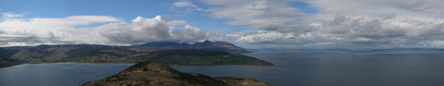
<point x="9" y="64"/>
<point x="24" y="63"/>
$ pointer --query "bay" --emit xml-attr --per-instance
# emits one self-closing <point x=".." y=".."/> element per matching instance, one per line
<point x="292" y="68"/>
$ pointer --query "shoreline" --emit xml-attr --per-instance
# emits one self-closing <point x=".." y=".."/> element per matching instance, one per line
<point x="10" y="64"/>
<point x="26" y="63"/>
<point x="30" y="63"/>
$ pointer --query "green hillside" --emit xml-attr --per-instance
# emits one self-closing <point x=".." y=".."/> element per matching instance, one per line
<point x="100" y="54"/>
<point x="191" y="57"/>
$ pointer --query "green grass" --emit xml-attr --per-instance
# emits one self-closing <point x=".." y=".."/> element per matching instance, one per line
<point x="29" y="53"/>
<point x="195" y="58"/>
<point x="200" y="63"/>
<point x="34" y="59"/>
<point x="176" y="60"/>
<point x="103" y="59"/>
<point x="54" y="57"/>
<point x="111" y="56"/>
<point x="214" y="59"/>
<point x="146" y="57"/>
<point x="85" y="52"/>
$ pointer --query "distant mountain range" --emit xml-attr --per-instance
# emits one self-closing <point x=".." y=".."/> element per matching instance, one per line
<point x="207" y="45"/>
<point x="124" y="54"/>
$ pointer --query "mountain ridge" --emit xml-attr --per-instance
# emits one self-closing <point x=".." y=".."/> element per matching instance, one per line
<point x="218" y="45"/>
<point x="85" y="53"/>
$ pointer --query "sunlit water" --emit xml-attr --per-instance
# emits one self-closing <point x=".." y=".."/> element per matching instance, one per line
<point x="293" y="68"/>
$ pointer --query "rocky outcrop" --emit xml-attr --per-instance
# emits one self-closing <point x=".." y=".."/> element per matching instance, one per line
<point x="156" y="74"/>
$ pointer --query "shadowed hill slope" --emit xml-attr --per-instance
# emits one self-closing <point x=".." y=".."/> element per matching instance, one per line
<point x="196" y="57"/>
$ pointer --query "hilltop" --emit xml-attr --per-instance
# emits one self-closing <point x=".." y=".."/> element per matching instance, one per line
<point x="156" y="74"/>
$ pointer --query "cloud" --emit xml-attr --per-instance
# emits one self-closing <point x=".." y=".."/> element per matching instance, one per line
<point x="189" y="6"/>
<point x="342" y="24"/>
<point x="188" y="34"/>
<point x="278" y="24"/>
<point x="259" y="14"/>
<point x="36" y="31"/>
<point x="142" y="30"/>
<point x="17" y="31"/>
<point x="221" y="2"/>
<point x="9" y="15"/>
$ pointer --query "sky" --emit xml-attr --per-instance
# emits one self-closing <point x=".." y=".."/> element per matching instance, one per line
<point x="258" y="24"/>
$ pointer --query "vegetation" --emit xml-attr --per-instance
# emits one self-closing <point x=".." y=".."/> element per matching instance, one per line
<point x="100" y="54"/>
<point x="4" y="62"/>
<point x="190" y="52"/>
<point x="84" y="52"/>
<point x="192" y="57"/>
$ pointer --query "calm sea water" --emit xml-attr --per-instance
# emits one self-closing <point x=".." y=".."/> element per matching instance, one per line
<point x="293" y="68"/>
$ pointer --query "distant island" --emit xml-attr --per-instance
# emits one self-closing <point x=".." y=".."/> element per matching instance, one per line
<point x="156" y="74"/>
<point x="199" y="54"/>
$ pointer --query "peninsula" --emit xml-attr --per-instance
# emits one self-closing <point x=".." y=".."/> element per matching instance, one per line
<point x="156" y="74"/>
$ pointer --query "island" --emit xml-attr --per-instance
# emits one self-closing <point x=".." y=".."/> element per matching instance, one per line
<point x="156" y="74"/>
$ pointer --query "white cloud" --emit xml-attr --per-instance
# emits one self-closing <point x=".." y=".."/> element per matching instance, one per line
<point x="142" y="30"/>
<point x="36" y="31"/>
<point x="189" y="6"/>
<point x="262" y="37"/>
<point x="9" y="15"/>
<point x="259" y="14"/>
<point x="221" y="2"/>
<point x="338" y="24"/>
<point x="343" y="23"/>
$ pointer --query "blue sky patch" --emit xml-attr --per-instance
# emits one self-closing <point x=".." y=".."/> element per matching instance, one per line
<point x="304" y="7"/>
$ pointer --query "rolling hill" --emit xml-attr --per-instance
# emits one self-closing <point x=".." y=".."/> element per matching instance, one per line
<point x="199" y="54"/>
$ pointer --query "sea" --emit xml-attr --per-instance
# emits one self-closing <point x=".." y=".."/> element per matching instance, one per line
<point x="292" y="68"/>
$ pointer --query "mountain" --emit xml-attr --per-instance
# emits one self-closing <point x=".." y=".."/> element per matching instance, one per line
<point x="194" y="57"/>
<point x="132" y="54"/>
<point x="101" y="54"/>
<point x="4" y="62"/>
<point x="5" y="59"/>
<point x="156" y="74"/>
<point x="208" y="45"/>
